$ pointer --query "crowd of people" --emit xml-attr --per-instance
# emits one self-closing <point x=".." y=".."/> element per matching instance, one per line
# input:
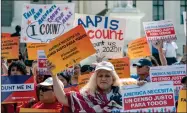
<point x="101" y="93"/>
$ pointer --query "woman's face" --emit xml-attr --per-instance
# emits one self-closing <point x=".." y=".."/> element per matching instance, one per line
<point x="77" y="70"/>
<point x="15" y="71"/>
<point x="64" y="81"/>
<point x="104" y="80"/>
<point x="47" y="95"/>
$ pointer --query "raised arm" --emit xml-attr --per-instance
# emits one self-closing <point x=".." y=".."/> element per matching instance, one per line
<point x="58" y="87"/>
<point x="161" y="52"/>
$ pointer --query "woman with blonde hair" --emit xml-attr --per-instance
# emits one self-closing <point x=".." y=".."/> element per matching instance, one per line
<point x="100" y="94"/>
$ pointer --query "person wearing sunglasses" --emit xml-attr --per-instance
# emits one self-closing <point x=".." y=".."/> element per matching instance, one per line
<point x="143" y="67"/>
<point x="46" y="97"/>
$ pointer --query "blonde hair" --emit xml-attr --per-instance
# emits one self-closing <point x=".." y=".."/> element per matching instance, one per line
<point x="91" y="86"/>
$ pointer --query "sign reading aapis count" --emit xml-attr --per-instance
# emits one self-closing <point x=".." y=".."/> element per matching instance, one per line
<point x="106" y="34"/>
<point x="42" y="23"/>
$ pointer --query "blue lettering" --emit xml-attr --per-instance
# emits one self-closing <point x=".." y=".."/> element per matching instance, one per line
<point x="114" y="23"/>
<point x="89" y="20"/>
<point x="97" y="20"/>
<point x="81" y="22"/>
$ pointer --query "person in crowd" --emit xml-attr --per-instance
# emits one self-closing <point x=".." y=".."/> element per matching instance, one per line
<point x="155" y="54"/>
<point x="65" y="78"/>
<point x="184" y="83"/>
<point x="162" y="59"/>
<point x="17" y="68"/>
<point x="143" y="67"/>
<point x="77" y="72"/>
<point x="85" y="69"/>
<point x="100" y="94"/>
<point x="153" y="60"/>
<point x="170" y="51"/>
<point x="17" y="33"/>
<point x="47" y="98"/>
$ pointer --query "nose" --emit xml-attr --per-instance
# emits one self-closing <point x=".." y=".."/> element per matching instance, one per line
<point x="103" y="78"/>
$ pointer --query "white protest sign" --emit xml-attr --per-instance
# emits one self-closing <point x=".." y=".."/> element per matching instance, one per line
<point x="106" y="33"/>
<point x="42" y="23"/>
<point x="17" y="87"/>
<point x="159" y="30"/>
<point x="173" y="73"/>
<point x="184" y="19"/>
<point x="151" y="97"/>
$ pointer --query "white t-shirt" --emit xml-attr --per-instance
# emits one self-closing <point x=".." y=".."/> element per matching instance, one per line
<point x="170" y="49"/>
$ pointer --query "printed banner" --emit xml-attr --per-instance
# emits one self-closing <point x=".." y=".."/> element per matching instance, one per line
<point x="32" y="49"/>
<point x="10" y="48"/>
<point x="31" y="110"/>
<point x="138" y="48"/>
<point x="122" y="67"/>
<point x="83" y="80"/>
<point x="173" y="73"/>
<point x="159" y="30"/>
<point x="106" y="34"/>
<point x="5" y="35"/>
<point x="69" y="49"/>
<point x="17" y="88"/>
<point x="42" y="63"/>
<point x="182" y="102"/>
<point x="42" y="23"/>
<point x="151" y="97"/>
<point x="184" y="19"/>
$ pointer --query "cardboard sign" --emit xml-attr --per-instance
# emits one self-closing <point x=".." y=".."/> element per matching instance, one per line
<point x="69" y="49"/>
<point x="173" y="73"/>
<point x="122" y="67"/>
<point x="182" y="102"/>
<point x="151" y="97"/>
<point x="42" y="23"/>
<point x="32" y="49"/>
<point x="5" y="35"/>
<point x="83" y="80"/>
<point x="184" y="19"/>
<point x="159" y="30"/>
<point x="10" y="48"/>
<point x="42" y="63"/>
<point x="31" y="110"/>
<point x="71" y="88"/>
<point x="138" y="48"/>
<point x="17" y="88"/>
<point x="106" y="34"/>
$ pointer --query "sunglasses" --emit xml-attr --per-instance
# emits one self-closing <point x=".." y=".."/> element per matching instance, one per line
<point x="139" y="66"/>
<point x="45" y="89"/>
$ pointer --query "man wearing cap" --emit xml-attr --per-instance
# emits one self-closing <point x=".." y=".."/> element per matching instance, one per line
<point x="143" y="67"/>
<point x="47" y="98"/>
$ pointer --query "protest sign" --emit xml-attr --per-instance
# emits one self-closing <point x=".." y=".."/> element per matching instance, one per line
<point x="69" y="49"/>
<point x="184" y="19"/>
<point x="83" y="80"/>
<point x="182" y="102"/>
<point x="106" y="34"/>
<point x="42" y="63"/>
<point x="159" y="30"/>
<point x="138" y="48"/>
<point x="151" y="97"/>
<point x="71" y="88"/>
<point x="173" y="73"/>
<point x="17" y="88"/>
<point x="42" y="23"/>
<point x="121" y="66"/>
<point x="32" y="110"/>
<point x="32" y="49"/>
<point x="10" y="48"/>
<point x="5" y="35"/>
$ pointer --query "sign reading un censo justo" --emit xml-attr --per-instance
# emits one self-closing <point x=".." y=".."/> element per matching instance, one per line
<point x="42" y="23"/>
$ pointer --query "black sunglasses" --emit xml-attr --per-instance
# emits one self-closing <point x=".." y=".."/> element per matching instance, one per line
<point x="139" y="66"/>
<point x="45" y="89"/>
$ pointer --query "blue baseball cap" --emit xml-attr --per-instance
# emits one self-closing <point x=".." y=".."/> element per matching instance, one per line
<point x="143" y="62"/>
